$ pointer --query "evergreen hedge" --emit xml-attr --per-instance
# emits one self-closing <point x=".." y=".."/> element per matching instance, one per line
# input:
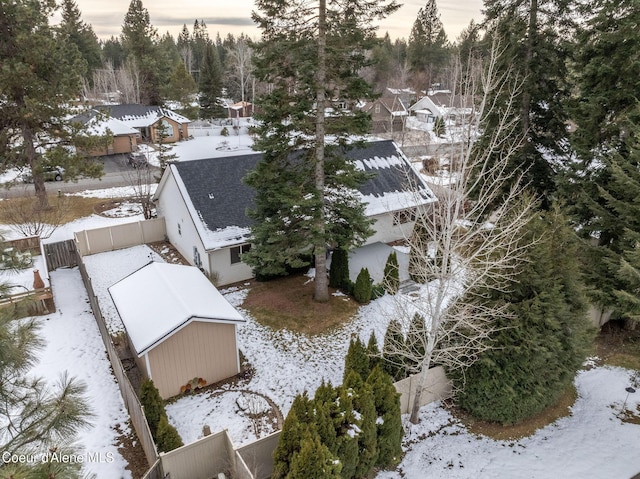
<point x="391" y="280"/>
<point x="339" y="272"/>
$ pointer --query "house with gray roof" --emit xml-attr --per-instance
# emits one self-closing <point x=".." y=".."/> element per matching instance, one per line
<point x="204" y="203"/>
<point x="147" y="118"/>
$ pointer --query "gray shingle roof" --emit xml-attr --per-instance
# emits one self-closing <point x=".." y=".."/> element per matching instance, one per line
<point x="220" y="198"/>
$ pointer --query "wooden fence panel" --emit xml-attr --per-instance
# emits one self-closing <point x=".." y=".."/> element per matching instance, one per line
<point x="61" y="254"/>
<point x="129" y="396"/>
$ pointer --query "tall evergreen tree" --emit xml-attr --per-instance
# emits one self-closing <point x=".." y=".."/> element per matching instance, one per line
<point x="537" y="353"/>
<point x="389" y="419"/>
<point x="339" y="273"/>
<point x="600" y="187"/>
<point x="210" y="84"/>
<point x="113" y="52"/>
<point x="393" y="364"/>
<point x="427" y="48"/>
<point x="39" y="80"/>
<point x="81" y="35"/>
<point x="153" y="406"/>
<point x="311" y="54"/>
<point x="534" y="37"/>
<point x="295" y="427"/>
<point x="140" y="41"/>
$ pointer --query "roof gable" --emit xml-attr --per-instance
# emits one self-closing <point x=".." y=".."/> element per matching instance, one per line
<point x="159" y="299"/>
<point x="218" y="199"/>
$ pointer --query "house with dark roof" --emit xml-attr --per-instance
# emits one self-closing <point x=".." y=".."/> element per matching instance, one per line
<point x="204" y="203"/>
<point x="147" y="119"/>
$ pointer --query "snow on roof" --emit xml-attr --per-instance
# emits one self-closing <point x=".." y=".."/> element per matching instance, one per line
<point x="141" y="116"/>
<point x="161" y="298"/>
<point x="110" y="125"/>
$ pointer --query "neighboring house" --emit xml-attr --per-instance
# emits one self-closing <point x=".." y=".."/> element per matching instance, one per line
<point x="388" y="113"/>
<point x="442" y="104"/>
<point x="123" y="137"/>
<point x="178" y="325"/>
<point x="147" y="119"/>
<point x="204" y="204"/>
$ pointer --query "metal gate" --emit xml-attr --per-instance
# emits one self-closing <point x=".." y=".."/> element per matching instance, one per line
<point x="61" y="254"/>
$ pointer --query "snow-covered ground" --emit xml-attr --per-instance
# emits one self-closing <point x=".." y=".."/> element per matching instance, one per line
<point x="591" y="443"/>
<point x="73" y="344"/>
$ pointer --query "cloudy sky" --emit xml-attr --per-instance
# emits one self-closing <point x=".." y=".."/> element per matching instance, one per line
<point x="234" y="16"/>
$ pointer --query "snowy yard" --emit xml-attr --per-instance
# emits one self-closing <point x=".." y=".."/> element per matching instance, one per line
<point x="592" y="442"/>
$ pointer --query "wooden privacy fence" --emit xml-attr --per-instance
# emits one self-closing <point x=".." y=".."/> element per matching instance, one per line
<point x="61" y="254"/>
<point x="129" y="395"/>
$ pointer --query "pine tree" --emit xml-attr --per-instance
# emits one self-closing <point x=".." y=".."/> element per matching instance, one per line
<point x="82" y="36"/>
<point x="311" y="55"/>
<point x="140" y="41"/>
<point x="427" y="49"/>
<point x="153" y="405"/>
<point x="419" y="252"/>
<point x="339" y="272"/>
<point x="182" y="88"/>
<point x="362" y="288"/>
<point x="393" y="364"/>
<point x="210" y="84"/>
<point x="389" y="419"/>
<point x="373" y="351"/>
<point x="357" y="359"/>
<point x="293" y="431"/>
<point x="536" y="355"/>
<point x="391" y="279"/>
<point x="313" y="460"/>
<point x="35" y="125"/>
<point x="36" y="416"/>
<point x="167" y="436"/>
<point x="534" y="48"/>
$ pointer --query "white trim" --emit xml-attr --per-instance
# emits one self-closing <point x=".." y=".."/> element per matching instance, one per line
<point x="235" y="332"/>
<point x="146" y="360"/>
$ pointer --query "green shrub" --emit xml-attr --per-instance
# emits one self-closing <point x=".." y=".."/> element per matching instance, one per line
<point x="153" y="405"/>
<point x="389" y="426"/>
<point x="357" y="359"/>
<point x="224" y="131"/>
<point x="391" y="280"/>
<point x="313" y="460"/>
<point x="168" y="438"/>
<point x="377" y="291"/>
<point x="339" y="272"/>
<point x="362" y="288"/>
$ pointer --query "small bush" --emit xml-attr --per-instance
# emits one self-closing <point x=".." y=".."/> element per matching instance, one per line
<point x="153" y="405"/>
<point x="377" y="291"/>
<point x="168" y="438"/>
<point x="339" y="272"/>
<point x="224" y="131"/>
<point x="392" y="274"/>
<point x="362" y="288"/>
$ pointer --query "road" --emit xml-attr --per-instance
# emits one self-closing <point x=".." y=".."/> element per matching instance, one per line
<point x="117" y="172"/>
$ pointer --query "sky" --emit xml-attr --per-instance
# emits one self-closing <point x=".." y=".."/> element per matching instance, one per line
<point x="234" y="17"/>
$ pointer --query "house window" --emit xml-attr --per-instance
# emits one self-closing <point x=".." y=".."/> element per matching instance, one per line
<point x="237" y="252"/>
<point x="404" y="216"/>
<point x="179" y="230"/>
<point x="377" y="108"/>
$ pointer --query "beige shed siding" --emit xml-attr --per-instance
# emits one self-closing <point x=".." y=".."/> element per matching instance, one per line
<point x="202" y="459"/>
<point x="205" y="350"/>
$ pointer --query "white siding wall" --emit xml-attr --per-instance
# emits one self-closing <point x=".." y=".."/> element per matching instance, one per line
<point x="220" y="263"/>
<point x="185" y="237"/>
<point x="386" y="232"/>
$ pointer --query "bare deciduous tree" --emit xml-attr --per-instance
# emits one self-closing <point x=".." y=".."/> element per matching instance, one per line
<point x="26" y="215"/>
<point x="469" y="242"/>
<point x="142" y="181"/>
